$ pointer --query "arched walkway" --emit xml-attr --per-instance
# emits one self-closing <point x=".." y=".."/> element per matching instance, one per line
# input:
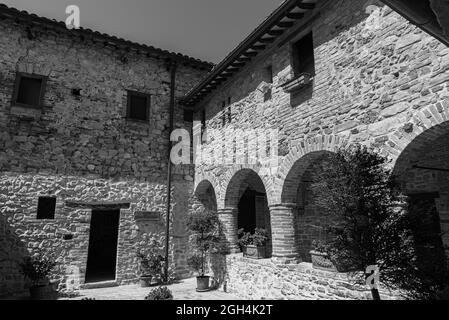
<point x="422" y="169"/>
<point x="309" y="220"/>
<point x="245" y="206"/>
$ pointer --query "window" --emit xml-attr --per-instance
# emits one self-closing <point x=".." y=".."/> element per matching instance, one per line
<point x="188" y="115"/>
<point x="303" y="56"/>
<point x="29" y="90"/>
<point x="268" y="78"/>
<point x="46" y="208"/>
<point x="138" y="106"/>
<point x="268" y="74"/>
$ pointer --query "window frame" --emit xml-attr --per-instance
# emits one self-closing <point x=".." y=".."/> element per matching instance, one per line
<point x="19" y="76"/>
<point x="54" y="211"/>
<point x="298" y="67"/>
<point x="131" y="93"/>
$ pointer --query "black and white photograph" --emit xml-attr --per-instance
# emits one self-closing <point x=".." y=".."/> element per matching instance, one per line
<point x="235" y="153"/>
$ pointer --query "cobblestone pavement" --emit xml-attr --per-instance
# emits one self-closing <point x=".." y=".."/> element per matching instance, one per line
<point x="183" y="290"/>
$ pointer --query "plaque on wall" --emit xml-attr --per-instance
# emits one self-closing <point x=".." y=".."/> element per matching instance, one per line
<point x="147" y="216"/>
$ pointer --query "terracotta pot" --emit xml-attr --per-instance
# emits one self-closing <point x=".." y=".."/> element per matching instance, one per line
<point x="39" y="292"/>
<point x="322" y="261"/>
<point x="145" y="281"/>
<point x="202" y="284"/>
<point x="254" y="252"/>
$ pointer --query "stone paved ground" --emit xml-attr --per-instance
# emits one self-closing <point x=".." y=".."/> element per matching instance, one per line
<point x="184" y="290"/>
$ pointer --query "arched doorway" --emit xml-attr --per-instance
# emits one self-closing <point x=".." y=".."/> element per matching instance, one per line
<point x="310" y="221"/>
<point x="422" y="169"/>
<point x="246" y="195"/>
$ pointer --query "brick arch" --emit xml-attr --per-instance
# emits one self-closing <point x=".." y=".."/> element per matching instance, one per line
<point x="425" y="126"/>
<point x="205" y="195"/>
<point x="410" y="154"/>
<point x="310" y="146"/>
<point x="234" y="183"/>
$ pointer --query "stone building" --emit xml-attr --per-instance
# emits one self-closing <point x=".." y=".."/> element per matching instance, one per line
<point x="84" y="143"/>
<point x="324" y="74"/>
<point x="316" y="75"/>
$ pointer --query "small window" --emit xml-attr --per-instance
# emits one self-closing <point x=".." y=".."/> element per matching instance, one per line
<point x="268" y="74"/>
<point x="303" y="56"/>
<point x="46" y="208"/>
<point x="188" y="115"/>
<point x="203" y="118"/>
<point x="138" y="106"/>
<point x="29" y="90"/>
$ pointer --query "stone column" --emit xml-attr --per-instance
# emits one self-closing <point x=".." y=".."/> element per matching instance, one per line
<point x="283" y="233"/>
<point x="229" y="231"/>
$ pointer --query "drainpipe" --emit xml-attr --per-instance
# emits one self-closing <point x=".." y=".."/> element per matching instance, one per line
<point x="172" y="67"/>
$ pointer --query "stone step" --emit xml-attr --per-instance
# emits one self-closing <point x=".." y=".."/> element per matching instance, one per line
<point x="98" y="285"/>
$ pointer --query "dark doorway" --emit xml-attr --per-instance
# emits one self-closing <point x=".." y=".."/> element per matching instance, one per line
<point x="102" y="256"/>
<point x="247" y="211"/>
<point x="427" y="234"/>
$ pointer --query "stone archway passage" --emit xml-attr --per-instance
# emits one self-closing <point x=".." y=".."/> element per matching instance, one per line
<point x="308" y="220"/>
<point x="422" y="169"/>
<point x="246" y="202"/>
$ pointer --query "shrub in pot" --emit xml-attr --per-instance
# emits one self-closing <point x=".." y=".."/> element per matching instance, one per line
<point x="204" y="226"/>
<point x="320" y="256"/>
<point x="161" y="293"/>
<point x="253" y="245"/>
<point x="150" y="267"/>
<point x="37" y="269"/>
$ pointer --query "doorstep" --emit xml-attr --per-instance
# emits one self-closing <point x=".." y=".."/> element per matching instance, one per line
<point x="99" y="285"/>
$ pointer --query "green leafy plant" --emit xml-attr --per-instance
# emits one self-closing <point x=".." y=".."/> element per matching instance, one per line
<point x="320" y="246"/>
<point x="161" y="293"/>
<point x="38" y="267"/>
<point x="258" y="239"/>
<point x="372" y="224"/>
<point x="151" y="262"/>
<point x="204" y="226"/>
<point x="195" y="262"/>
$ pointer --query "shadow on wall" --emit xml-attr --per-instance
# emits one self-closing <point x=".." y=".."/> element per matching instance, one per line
<point x="12" y="253"/>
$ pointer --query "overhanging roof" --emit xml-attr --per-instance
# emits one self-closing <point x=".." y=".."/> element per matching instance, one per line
<point x="31" y="20"/>
<point x="432" y="16"/>
<point x="275" y="25"/>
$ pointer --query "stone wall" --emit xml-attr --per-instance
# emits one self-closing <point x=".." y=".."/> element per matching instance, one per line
<point x="264" y="280"/>
<point x="82" y="148"/>
<point x="379" y="81"/>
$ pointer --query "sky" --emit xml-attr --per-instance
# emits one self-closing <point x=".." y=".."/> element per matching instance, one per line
<point x="204" y="29"/>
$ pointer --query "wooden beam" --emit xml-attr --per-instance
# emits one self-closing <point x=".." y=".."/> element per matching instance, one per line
<point x="285" y="24"/>
<point x="266" y="40"/>
<point x="258" y="47"/>
<point x="275" y="32"/>
<point x="295" y="16"/>
<point x="238" y="64"/>
<point x="250" y="54"/>
<point x="244" y="59"/>
<point x="306" y="6"/>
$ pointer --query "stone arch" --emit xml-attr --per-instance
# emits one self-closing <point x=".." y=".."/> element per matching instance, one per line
<point x="306" y="148"/>
<point x="424" y="125"/>
<point x="237" y="174"/>
<point x="422" y="169"/>
<point x="205" y="195"/>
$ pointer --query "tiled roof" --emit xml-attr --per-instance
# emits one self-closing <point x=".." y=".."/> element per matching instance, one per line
<point x="274" y="26"/>
<point x="33" y="19"/>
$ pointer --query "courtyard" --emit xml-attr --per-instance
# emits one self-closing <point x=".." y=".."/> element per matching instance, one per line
<point x="182" y="290"/>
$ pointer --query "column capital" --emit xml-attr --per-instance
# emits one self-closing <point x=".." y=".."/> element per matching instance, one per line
<point x="227" y="211"/>
<point x="283" y="206"/>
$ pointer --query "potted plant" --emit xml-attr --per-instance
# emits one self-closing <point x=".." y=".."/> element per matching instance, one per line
<point x="320" y="256"/>
<point x="161" y="293"/>
<point x="37" y="269"/>
<point x="150" y="268"/>
<point x="204" y="228"/>
<point x="253" y="245"/>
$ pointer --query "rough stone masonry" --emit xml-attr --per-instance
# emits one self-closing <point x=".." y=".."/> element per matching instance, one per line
<point x="377" y="79"/>
<point x="81" y="148"/>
